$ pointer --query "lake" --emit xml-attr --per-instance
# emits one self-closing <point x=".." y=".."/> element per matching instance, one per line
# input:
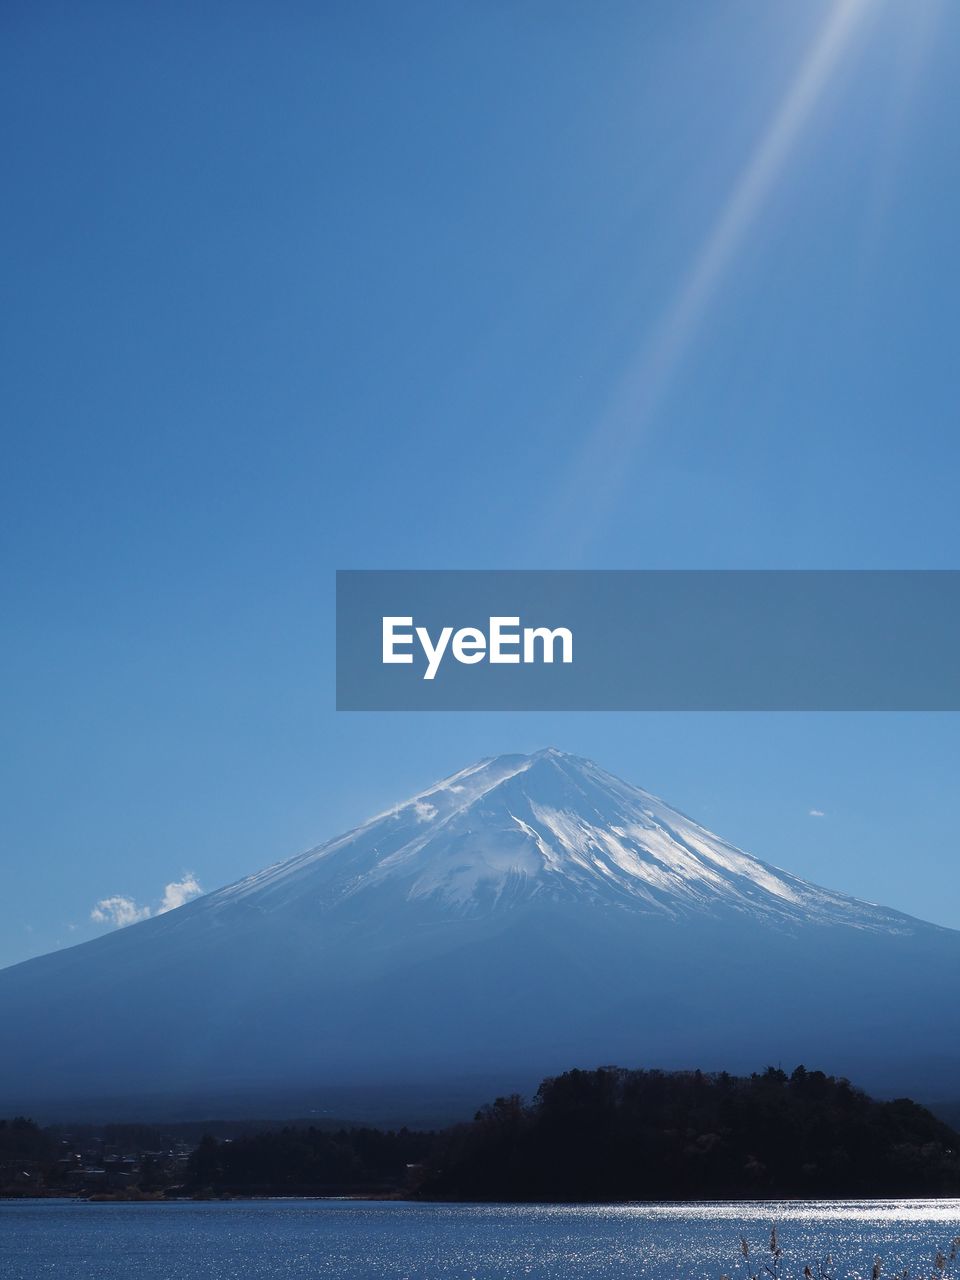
<point x="362" y="1240"/>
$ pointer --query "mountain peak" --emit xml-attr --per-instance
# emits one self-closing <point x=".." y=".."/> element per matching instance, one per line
<point x="539" y="829"/>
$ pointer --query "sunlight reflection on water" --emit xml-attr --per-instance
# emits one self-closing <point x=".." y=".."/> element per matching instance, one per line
<point x="356" y="1240"/>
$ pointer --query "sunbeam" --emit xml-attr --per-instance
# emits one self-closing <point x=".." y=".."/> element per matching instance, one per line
<point x="602" y="464"/>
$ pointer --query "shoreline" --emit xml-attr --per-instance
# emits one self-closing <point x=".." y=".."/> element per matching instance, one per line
<point x="900" y="1202"/>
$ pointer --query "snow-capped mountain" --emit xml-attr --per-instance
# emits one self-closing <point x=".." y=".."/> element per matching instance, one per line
<point x="541" y="828"/>
<point x="524" y="915"/>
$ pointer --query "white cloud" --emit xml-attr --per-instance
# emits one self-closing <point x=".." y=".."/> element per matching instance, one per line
<point x="424" y="811"/>
<point x="120" y="911"/>
<point x="817" y="813"/>
<point x="179" y="892"/>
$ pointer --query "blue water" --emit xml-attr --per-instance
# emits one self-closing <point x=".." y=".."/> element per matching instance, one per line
<point x="263" y="1240"/>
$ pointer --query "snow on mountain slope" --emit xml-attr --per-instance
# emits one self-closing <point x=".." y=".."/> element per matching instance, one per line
<point x="543" y="827"/>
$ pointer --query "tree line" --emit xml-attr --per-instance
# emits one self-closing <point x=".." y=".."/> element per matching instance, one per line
<point x="613" y="1134"/>
<point x="604" y="1135"/>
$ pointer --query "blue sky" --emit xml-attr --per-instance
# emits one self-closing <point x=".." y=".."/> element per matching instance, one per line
<point x="295" y="287"/>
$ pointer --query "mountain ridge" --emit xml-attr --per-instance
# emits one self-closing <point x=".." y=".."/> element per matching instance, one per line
<point x="679" y="855"/>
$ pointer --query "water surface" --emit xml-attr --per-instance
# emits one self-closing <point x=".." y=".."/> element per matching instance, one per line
<point x="360" y="1240"/>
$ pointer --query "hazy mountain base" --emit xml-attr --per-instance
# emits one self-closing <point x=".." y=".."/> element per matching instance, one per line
<point x="268" y="1014"/>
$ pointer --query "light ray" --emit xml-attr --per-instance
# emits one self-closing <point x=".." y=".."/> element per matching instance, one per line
<point x="604" y="460"/>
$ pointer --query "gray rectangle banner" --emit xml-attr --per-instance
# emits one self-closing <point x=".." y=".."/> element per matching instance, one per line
<point x="648" y="640"/>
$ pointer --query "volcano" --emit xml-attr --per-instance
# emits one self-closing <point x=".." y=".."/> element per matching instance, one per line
<point x="525" y="915"/>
